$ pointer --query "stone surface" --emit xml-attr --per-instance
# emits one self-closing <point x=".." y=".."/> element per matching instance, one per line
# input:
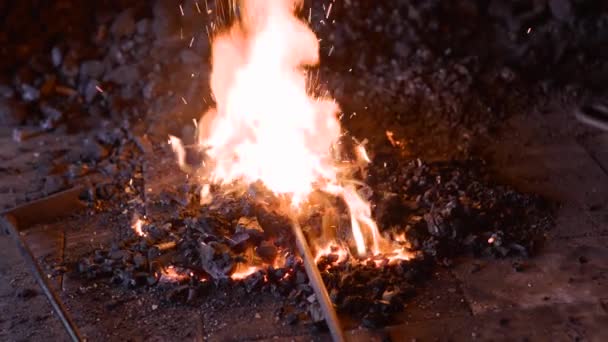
<point x="565" y="272"/>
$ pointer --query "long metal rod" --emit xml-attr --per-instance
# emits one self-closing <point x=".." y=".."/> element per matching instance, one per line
<point x="9" y="224"/>
<point x="316" y="281"/>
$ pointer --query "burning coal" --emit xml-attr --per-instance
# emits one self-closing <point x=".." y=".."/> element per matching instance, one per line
<point x="266" y="127"/>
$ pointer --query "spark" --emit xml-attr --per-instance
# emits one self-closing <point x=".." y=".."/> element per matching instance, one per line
<point x="529" y="30"/>
<point x="181" y="9"/>
<point x="330" y="51"/>
<point x="99" y="89"/>
<point x="191" y="42"/>
<point x="328" y="11"/>
<point x="198" y="9"/>
<point x="184" y="100"/>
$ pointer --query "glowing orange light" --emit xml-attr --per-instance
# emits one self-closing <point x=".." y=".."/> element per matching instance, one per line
<point x="244" y="272"/>
<point x="171" y="275"/>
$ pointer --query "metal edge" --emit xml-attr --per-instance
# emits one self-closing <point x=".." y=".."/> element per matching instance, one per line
<point x="9" y="224"/>
<point x="16" y="220"/>
<point x="47" y="209"/>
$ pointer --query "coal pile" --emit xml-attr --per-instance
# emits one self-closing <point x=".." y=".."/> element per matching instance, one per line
<point x="447" y="208"/>
<point x="111" y="60"/>
<point x="442" y="209"/>
<point x="471" y="62"/>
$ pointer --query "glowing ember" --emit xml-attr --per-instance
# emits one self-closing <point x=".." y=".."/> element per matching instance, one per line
<point x="332" y="249"/>
<point x="137" y="227"/>
<point x="243" y="272"/>
<point x="266" y="126"/>
<point x="171" y="275"/>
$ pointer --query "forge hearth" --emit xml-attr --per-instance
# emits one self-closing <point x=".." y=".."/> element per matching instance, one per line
<point x="186" y="254"/>
<point x="109" y="278"/>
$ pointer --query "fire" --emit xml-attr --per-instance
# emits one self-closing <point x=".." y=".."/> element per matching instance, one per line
<point x="267" y="127"/>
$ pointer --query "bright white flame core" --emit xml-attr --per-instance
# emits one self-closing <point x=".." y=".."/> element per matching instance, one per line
<point x="266" y="127"/>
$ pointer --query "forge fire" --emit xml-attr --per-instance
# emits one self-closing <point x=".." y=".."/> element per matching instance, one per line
<point x="267" y="128"/>
<point x="270" y="156"/>
<point x="232" y="170"/>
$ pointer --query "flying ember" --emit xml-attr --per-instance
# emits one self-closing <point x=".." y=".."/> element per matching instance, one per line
<point x="266" y="127"/>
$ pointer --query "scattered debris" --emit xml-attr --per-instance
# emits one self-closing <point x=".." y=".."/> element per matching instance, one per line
<point x="445" y="210"/>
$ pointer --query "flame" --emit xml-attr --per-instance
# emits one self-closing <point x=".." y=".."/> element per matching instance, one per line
<point x="267" y="127"/>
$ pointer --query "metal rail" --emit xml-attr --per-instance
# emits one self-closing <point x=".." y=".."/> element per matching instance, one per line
<point x="19" y="219"/>
<point x="9" y="223"/>
<point x="316" y="281"/>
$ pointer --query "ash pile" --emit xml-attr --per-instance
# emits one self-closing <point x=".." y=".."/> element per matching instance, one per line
<point x="438" y="211"/>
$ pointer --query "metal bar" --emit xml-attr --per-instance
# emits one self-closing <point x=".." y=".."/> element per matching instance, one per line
<point x="331" y="318"/>
<point x="9" y="223"/>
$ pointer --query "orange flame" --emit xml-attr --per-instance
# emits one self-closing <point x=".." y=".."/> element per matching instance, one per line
<point x="332" y="248"/>
<point x="266" y="126"/>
